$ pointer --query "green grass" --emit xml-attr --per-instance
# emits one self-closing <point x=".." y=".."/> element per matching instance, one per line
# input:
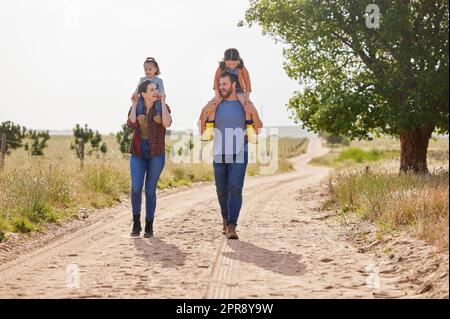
<point x="359" y="156"/>
<point x="350" y="156"/>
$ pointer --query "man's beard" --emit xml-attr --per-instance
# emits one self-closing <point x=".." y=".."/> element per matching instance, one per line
<point x="226" y="95"/>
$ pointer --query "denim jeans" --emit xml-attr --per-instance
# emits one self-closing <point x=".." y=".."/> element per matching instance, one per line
<point x="148" y="169"/>
<point x="140" y="107"/>
<point x="229" y="178"/>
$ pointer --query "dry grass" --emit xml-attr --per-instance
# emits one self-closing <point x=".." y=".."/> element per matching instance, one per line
<point x="415" y="203"/>
<point x="38" y="190"/>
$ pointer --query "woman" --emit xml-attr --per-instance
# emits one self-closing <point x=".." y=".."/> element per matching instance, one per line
<point x="147" y="151"/>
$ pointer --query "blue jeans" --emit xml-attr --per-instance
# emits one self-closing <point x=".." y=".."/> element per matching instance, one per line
<point x="148" y="169"/>
<point x="229" y="179"/>
<point x="140" y="107"/>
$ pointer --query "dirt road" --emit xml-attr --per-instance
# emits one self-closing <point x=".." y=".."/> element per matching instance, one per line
<point x="288" y="248"/>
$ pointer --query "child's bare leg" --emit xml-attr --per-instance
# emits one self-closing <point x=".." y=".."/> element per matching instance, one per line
<point x="211" y="117"/>
<point x="208" y="134"/>
<point x="248" y="120"/>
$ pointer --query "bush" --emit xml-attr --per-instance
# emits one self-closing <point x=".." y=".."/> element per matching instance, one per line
<point x="359" y="156"/>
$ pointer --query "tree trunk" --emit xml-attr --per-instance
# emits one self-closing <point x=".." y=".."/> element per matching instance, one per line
<point x="414" y="146"/>
<point x="82" y="153"/>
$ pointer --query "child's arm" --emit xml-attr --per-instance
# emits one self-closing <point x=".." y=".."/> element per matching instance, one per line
<point x="137" y="88"/>
<point x="161" y="86"/>
<point x="135" y="93"/>
<point x="248" y="83"/>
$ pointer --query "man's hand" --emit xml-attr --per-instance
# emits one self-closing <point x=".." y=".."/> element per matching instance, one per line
<point x="210" y="107"/>
<point x="246" y="99"/>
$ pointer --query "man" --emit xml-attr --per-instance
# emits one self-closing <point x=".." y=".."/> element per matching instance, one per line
<point x="230" y="150"/>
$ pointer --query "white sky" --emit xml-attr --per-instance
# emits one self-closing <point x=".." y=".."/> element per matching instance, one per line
<point x="66" y="62"/>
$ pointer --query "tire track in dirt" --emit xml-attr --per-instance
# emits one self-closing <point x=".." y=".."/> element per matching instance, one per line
<point x="225" y="273"/>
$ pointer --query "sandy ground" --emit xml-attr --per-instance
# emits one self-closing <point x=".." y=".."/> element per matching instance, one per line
<point x="289" y="248"/>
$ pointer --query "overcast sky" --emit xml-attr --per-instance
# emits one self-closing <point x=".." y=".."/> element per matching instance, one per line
<point x="66" y="62"/>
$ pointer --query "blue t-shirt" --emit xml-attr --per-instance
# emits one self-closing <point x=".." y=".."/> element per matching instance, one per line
<point x="229" y="133"/>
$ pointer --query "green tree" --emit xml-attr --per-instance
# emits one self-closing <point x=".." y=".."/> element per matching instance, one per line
<point x="97" y="145"/>
<point x="334" y="140"/>
<point x="39" y="142"/>
<point x="123" y="138"/>
<point x="361" y="81"/>
<point x="14" y="135"/>
<point x="81" y="137"/>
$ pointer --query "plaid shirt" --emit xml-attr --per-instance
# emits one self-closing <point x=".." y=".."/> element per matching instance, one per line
<point x="157" y="134"/>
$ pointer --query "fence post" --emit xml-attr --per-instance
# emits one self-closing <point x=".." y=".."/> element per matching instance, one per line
<point x="2" y="151"/>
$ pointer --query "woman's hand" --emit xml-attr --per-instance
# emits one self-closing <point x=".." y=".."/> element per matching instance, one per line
<point x="162" y="96"/>
<point x="134" y="100"/>
<point x="132" y="113"/>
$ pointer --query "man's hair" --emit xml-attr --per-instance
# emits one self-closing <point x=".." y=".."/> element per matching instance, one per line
<point x="231" y="77"/>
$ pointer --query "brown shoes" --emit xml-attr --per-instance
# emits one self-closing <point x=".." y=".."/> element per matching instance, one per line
<point x="225" y="225"/>
<point x="231" y="232"/>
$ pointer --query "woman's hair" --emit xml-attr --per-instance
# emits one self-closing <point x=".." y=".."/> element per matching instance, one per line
<point x="231" y="55"/>
<point x="153" y="61"/>
<point x="143" y="86"/>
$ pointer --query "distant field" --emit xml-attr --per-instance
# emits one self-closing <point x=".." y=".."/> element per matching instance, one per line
<point x="385" y="149"/>
<point x="38" y="190"/>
